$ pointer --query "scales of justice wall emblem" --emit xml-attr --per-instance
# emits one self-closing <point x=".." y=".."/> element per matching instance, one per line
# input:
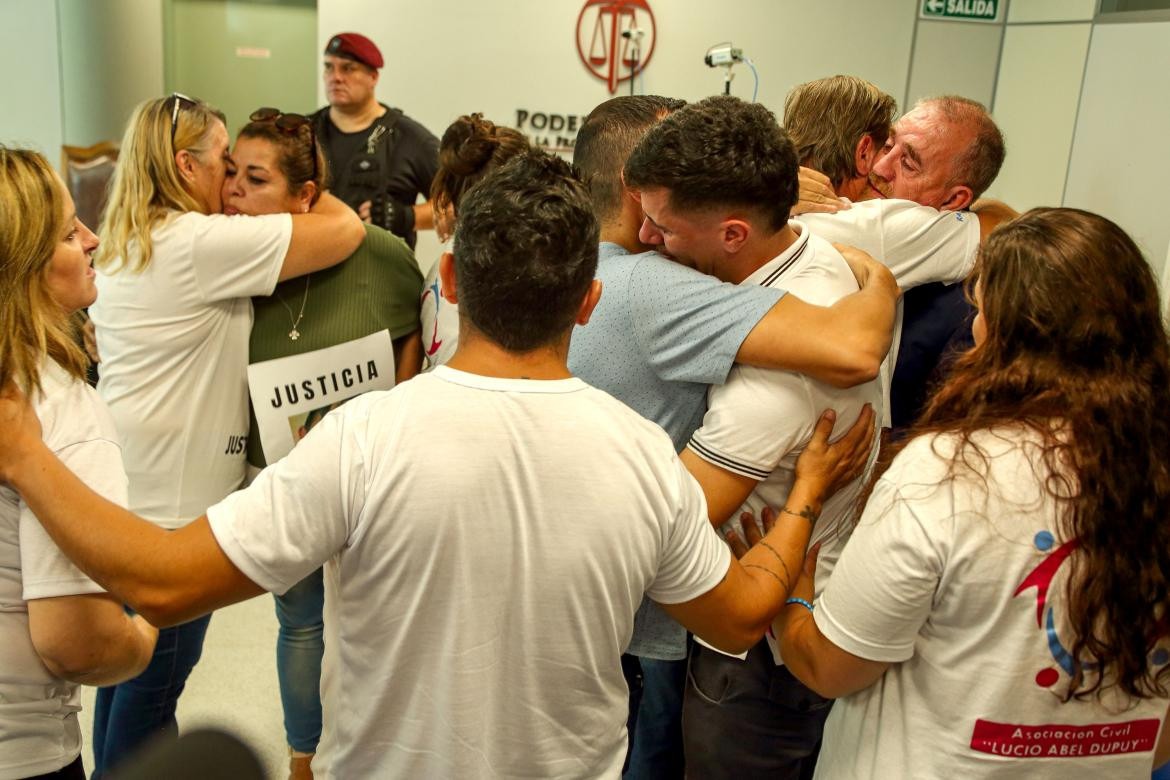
<point x="615" y="39"/>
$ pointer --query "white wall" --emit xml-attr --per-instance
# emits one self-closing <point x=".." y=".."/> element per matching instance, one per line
<point x="1100" y="150"/>
<point x="30" y="92"/>
<point x="954" y="58"/>
<point x="1037" y="95"/>
<point x="1036" y="102"/>
<point x="1050" y="10"/>
<point x="1119" y="166"/>
<point x="1083" y="108"/>
<point x="449" y="57"/>
<point x="111" y="60"/>
<point x="74" y="69"/>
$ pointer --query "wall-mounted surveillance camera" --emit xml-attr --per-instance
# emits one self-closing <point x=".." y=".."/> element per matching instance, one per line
<point x="722" y="55"/>
<point x="726" y="56"/>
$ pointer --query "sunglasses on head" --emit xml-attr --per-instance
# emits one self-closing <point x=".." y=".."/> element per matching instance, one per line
<point x="288" y="123"/>
<point x="179" y="100"/>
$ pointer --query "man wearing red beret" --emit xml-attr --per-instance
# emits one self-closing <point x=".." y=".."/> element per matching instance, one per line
<point x="380" y="160"/>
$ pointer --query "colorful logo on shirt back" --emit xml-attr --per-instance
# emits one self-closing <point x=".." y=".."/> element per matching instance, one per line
<point x="433" y="290"/>
<point x="1041" y="579"/>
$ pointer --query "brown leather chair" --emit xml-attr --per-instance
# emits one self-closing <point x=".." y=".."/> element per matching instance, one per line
<point x="87" y="171"/>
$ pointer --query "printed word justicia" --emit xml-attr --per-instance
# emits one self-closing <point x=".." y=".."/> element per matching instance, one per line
<point x="322" y="386"/>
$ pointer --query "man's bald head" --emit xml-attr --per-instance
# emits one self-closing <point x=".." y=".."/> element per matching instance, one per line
<point x="978" y="166"/>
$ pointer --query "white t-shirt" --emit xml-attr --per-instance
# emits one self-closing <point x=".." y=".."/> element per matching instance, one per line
<point x="39" y="732"/>
<point x="759" y="421"/>
<point x="945" y="581"/>
<point x="439" y="321"/>
<point x="919" y="245"/>
<point x="174" y="347"/>
<point x="483" y="570"/>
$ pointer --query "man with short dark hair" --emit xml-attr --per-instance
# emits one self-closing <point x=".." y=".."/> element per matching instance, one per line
<point x="607" y="136"/>
<point x="380" y="160"/>
<point x="717" y="181"/>
<point x="489" y="527"/>
<point x="660" y="337"/>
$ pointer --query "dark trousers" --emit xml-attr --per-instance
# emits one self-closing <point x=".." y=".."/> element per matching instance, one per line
<point x="750" y="718"/>
<point x="128" y="714"/>
<point x="655" y="720"/>
<point x="72" y="771"/>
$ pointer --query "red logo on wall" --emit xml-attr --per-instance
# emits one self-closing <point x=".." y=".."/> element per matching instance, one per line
<point x="615" y="39"/>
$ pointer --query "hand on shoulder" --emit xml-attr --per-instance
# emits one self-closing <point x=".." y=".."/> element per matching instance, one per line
<point x="22" y="430"/>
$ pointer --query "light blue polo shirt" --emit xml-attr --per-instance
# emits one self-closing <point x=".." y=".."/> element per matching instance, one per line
<point x="661" y="334"/>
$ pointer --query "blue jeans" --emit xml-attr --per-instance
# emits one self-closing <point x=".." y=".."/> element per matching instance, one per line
<point x="655" y="721"/>
<point x="299" y="648"/>
<point x="130" y="713"/>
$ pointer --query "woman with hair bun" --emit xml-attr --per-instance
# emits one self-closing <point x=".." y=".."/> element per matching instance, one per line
<point x="1000" y="610"/>
<point x="58" y="628"/>
<point x="470" y="148"/>
<point x="176" y="279"/>
<point x="278" y="168"/>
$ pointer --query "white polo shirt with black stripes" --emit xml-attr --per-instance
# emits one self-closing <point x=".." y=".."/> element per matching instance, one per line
<point x="760" y="420"/>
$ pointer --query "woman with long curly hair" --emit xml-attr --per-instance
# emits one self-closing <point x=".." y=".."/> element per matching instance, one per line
<point x="1000" y="609"/>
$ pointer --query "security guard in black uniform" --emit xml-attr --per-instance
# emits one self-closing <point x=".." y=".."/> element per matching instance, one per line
<point x="380" y="160"/>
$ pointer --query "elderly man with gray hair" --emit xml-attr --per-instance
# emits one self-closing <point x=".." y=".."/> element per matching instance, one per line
<point x="912" y="191"/>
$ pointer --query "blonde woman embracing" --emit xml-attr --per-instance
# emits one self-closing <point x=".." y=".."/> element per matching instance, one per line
<point x="176" y="279"/>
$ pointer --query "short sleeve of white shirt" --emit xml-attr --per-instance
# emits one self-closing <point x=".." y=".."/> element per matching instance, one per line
<point x="78" y="429"/>
<point x="694" y="559"/>
<point x="753" y="421"/>
<point x="300" y="511"/>
<point x="238" y="256"/>
<point x="919" y="245"/>
<point x="883" y="587"/>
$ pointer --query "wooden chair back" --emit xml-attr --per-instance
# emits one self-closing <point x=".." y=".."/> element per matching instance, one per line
<point x="87" y="171"/>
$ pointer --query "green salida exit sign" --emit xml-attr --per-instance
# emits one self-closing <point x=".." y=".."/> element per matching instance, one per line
<point x="965" y="10"/>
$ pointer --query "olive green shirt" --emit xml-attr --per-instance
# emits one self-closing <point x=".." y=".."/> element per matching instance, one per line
<point x="376" y="288"/>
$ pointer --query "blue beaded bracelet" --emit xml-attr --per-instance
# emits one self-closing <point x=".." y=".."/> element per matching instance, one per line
<point x="802" y="602"/>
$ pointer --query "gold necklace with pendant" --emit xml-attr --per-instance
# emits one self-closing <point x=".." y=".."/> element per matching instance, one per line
<point x="295" y="334"/>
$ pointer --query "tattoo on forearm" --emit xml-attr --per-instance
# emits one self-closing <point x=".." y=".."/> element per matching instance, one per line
<point x="775" y="576"/>
<point x="807" y="513"/>
<point x="787" y="573"/>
